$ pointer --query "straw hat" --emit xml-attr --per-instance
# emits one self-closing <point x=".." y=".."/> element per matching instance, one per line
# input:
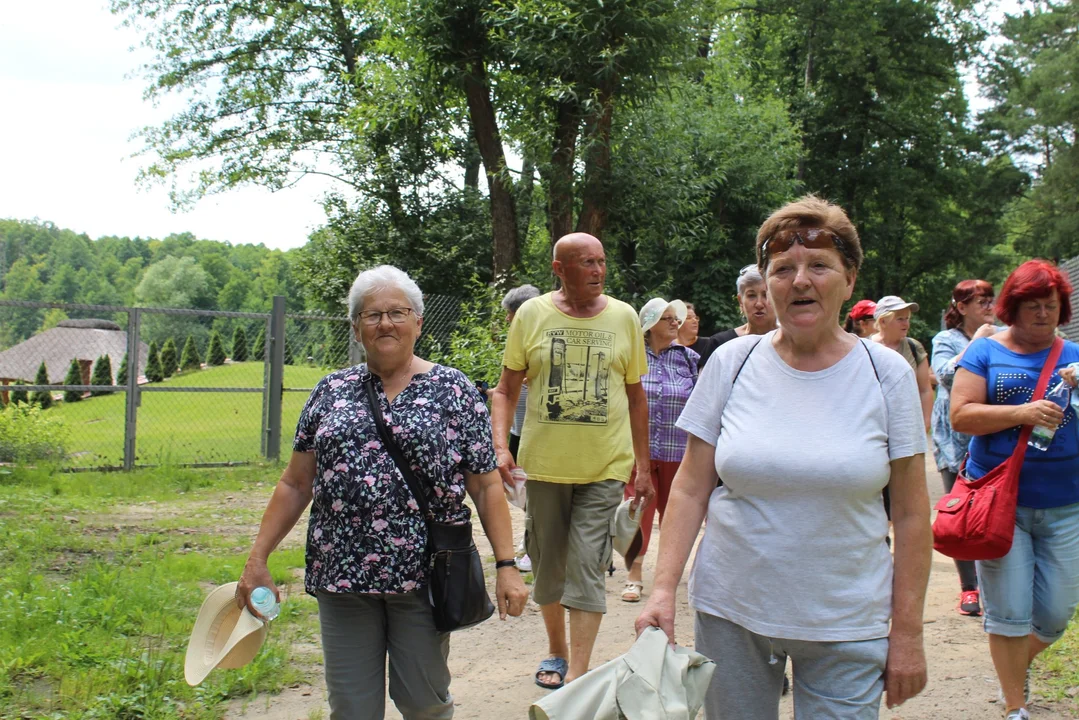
<point x="224" y="636"/>
<point x="653" y="310"/>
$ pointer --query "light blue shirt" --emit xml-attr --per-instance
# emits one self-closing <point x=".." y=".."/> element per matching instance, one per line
<point x="949" y="446"/>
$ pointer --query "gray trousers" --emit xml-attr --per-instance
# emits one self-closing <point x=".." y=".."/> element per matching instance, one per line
<point x="833" y="680"/>
<point x="358" y="631"/>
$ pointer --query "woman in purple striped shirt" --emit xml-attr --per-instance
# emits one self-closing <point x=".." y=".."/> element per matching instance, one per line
<point x="672" y="373"/>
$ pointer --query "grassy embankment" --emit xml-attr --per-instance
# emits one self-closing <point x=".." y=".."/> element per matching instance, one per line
<point x="102" y="575"/>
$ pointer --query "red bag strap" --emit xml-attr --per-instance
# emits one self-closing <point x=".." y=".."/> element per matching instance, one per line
<point x="1039" y="392"/>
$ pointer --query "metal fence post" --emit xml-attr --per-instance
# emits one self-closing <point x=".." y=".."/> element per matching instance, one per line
<point x="356" y="354"/>
<point x="131" y="400"/>
<point x="277" y="378"/>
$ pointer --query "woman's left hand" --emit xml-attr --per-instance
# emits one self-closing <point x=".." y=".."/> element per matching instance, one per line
<point x="510" y="592"/>
<point x="1070" y="375"/>
<point x="905" y="674"/>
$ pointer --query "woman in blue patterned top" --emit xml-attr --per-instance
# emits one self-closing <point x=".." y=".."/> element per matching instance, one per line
<point x="969" y="317"/>
<point x="366" y="539"/>
<point x="1030" y="594"/>
<point x="672" y="373"/>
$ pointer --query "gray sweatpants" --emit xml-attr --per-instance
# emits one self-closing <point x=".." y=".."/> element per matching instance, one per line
<point x="357" y="633"/>
<point x="832" y="680"/>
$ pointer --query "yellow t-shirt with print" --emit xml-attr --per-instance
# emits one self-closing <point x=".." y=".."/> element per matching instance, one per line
<point x="576" y="426"/>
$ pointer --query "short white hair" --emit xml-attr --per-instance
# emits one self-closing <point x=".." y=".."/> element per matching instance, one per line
<point x="383" y="277"/>
<point x="749" y="275"/>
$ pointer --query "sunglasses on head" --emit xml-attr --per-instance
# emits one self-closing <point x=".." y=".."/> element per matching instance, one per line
<point x="811" y="238"/>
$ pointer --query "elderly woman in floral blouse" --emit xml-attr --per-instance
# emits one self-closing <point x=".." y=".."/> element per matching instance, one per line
<point x="366" y="540"/>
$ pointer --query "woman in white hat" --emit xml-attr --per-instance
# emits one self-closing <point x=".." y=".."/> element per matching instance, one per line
<point x="672" y="373"/>
<point x="367" y="560"/>
<point x="893" y="324"/>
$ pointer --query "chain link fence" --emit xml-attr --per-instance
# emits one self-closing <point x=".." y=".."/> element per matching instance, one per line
<point x="129" y="387"/>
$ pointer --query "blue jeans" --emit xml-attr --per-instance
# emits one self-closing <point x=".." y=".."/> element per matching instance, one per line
<point x="1035" y="587"/>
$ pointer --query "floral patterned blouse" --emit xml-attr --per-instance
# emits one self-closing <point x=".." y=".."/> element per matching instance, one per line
<point x="366" y="533"/>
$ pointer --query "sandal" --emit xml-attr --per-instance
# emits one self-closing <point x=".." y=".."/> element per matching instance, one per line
<point x="552" y="665"/>
<point x="632" y="592"/>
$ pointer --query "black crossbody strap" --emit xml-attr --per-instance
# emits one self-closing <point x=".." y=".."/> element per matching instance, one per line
<point x="392" y="447"/>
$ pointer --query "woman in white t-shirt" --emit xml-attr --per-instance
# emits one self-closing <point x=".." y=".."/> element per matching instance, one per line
<point x="806" y="425"/>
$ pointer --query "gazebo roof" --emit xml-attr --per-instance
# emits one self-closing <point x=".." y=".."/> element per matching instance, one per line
<point x="82" y="339"/>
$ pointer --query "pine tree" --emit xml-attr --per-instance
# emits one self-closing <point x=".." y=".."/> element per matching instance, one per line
<point x="189" y="357"/>
<point x="239" y="344"/>
<point x="19" y="397"/>
<point x="121" y="374"/>
<point x="101" y="375"/>
<point x="153" y="365"/>
<point x="42" y="398"/>
<point x="170" y="360"/>
<point x="258" y="348"/>
<point x="215" y="355"/>
<point x="74" y="377"/>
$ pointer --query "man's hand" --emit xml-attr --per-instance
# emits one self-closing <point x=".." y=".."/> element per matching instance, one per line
<point x="905" y="675"/>
<point x="644" y="490"/>
<point x="506" y="463"/>
<point x="510" y="592"/>
<point x="658" y="612"/>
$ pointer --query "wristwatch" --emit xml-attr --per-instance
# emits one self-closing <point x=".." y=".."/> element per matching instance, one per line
<point x="505" y="563"/>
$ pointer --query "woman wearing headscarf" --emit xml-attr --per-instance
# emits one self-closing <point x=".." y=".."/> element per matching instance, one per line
<point x="672" y="373"/>
<point x="893" y="325"/>
<point x="806" y="425"/>
<point x="366" y="560"/>
<point x="969" y="317"/>
<point x="1030" y="595"/>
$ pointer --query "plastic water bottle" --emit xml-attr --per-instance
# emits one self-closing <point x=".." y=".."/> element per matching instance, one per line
<point x="1041" y="437"/>
<point x="265" y="602"/>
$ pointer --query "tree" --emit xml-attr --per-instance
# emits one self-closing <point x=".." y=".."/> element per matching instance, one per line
<point x="258" y="348"/>
<point x="154" y="372"/>
<point x="1031" y="79"/>
<point x="239" y="344"/>
<point x="101" y="375"/>
<point x="215" y="355"/>
<point x="189" y="358"/>
<point x="121" y="373"/>
<point x="42" y="398"/>
<point x="170" y="361"/>
<point x="74" y="377"/>
<point x="19" y="397"/>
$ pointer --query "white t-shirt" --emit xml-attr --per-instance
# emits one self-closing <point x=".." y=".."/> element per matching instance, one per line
<point x="795" y="542"/>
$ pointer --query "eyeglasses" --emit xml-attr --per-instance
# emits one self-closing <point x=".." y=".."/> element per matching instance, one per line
<point x="374" y="317"/>
<point x="669" y="319"/>
<point x="811" y="238"/>
<point x="984" y="302"/>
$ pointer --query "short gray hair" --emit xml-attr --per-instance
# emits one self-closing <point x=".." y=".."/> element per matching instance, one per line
<point x="383" y="277"/>
<point x="749" y="275"/>
<point x="516" y="297"/>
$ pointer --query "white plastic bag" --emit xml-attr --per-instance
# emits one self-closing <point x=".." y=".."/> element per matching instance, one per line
<point x="516" y="494"/>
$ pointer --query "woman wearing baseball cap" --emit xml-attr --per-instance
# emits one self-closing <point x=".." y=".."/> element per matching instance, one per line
<point x="860" y="319"/>
<point x="893" y="323"/>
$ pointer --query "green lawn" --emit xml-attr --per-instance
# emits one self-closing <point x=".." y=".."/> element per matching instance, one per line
<point x="185" y="427"/>
<point x="101" y="578"/>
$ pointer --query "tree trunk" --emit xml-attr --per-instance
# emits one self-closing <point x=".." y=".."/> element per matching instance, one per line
<point x="560" y="180"/>
<point x="597" y="170"/>
<point x="503" y="206"/>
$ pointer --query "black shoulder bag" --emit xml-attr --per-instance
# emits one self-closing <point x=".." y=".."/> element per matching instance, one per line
<point x="457" y="587"/>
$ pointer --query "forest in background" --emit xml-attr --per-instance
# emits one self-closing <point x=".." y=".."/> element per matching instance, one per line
<point x="468" y="134"/>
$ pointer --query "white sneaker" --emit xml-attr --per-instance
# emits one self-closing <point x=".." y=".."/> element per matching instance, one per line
<point x="1020" y="714"/>
<point x="524" y="564"/>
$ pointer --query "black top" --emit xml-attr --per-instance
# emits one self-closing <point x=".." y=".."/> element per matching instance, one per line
<point x="711" y="343"/>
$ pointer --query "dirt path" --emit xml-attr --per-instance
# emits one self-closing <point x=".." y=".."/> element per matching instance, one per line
<point x="492" y="664"/>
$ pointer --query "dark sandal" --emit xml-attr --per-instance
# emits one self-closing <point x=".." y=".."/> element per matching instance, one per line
<point x="553" y="665"/>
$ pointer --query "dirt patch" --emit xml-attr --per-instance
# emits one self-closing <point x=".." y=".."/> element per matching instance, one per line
<point x="492" y="664"/>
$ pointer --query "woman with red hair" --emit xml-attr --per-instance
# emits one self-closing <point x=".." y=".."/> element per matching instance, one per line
<point x="1030" y="594"/>
<point x="969" y="317"/>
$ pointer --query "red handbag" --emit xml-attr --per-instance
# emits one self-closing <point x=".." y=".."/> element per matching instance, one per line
<point x="976" y="520"/>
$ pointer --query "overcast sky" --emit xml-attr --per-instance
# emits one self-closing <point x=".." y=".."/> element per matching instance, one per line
<point x="71" y="101"/>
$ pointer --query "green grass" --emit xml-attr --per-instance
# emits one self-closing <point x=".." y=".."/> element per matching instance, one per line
<point x="1057" y="669"/>
<point x="101" y="577"/>
<point x="176" y="428"/>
